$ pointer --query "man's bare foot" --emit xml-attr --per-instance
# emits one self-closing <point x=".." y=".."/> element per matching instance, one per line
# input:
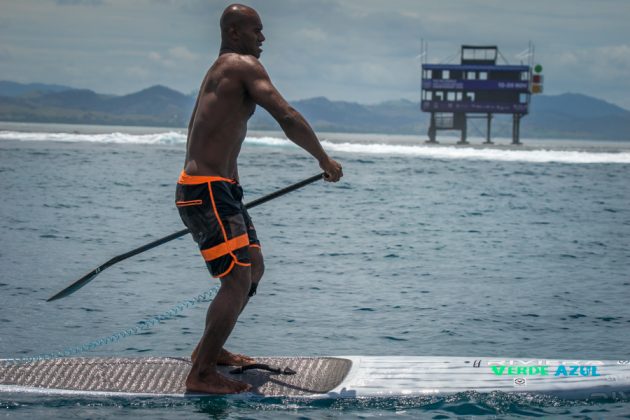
<point x="215" y="383"/>
<point x="227" y="358"/>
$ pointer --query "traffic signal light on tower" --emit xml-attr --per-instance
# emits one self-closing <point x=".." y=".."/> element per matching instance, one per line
<point x="537" y="80"/>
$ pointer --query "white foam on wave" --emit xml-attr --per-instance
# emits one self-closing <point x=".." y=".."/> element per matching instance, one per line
<point x="455" y="153"/>
<point x="450" y="152"/>
<point x="169" y="137"/>
<point x="424" y="151"/>
<point x="268" y="141"/>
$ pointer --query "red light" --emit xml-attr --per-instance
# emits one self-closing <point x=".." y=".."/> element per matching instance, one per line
<point x="536" y="78"/>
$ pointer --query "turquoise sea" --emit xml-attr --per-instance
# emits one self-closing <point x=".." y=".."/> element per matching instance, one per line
<point x="505" y="251"/>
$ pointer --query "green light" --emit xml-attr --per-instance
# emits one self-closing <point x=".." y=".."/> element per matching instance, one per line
<point x="538" y="68"/>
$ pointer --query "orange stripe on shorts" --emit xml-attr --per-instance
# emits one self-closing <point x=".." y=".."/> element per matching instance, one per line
<point x="225" y="247"/>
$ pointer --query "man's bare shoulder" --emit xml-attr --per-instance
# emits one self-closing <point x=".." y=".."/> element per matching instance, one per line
<point x="241" y="64"/>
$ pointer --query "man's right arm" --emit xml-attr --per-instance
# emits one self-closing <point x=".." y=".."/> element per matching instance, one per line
<point x="294" y="125"/>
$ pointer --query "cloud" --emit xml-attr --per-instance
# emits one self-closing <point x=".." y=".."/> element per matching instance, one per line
<point x="182" y="53"/>
<point x="5" y="53"/>
<point x="610" y="63"/>
<point x="173" y="57"/>
<point x="358" y="50"/>
<point x="79" y="2"/>
<point x="615" y="56"/>
<point x="161" y="60"/>
<point x="313" y="34"/>
<point x="155" y="56"/>
<point x="137" y="72"/>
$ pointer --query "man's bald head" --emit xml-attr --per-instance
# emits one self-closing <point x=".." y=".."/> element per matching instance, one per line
<point x="241" y="30"/>
<point x="237" y="15"/>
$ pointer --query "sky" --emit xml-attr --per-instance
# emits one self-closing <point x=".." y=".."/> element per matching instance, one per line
<point x="365" y="51"/>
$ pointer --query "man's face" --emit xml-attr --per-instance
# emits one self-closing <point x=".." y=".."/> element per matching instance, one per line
<point x="251" y="36"/>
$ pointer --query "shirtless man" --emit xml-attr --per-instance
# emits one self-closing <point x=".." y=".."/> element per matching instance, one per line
<point x="209" y="197"/>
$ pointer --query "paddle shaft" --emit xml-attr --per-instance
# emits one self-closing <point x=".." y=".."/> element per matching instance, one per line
<point x="90" y="276"/>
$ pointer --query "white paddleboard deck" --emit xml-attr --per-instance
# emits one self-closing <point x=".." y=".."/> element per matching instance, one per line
<point x="326" y="377"/>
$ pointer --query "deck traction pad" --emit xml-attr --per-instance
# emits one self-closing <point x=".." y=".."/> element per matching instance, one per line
<point x="166" y="375"/>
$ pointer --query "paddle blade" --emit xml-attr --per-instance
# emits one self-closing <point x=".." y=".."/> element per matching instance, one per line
<point x="75" y="286"/>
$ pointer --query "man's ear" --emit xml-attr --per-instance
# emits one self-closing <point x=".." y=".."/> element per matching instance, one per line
<point x="233" y="32"/>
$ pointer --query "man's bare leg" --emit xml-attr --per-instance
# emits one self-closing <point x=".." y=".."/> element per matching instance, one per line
<point x="222" y="315"/>
<point x="227" y="358"/>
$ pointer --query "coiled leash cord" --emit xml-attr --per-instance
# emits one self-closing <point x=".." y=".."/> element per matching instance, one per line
<point x="141" y="326"/>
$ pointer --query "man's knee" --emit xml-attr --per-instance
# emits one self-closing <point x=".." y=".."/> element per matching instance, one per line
<point x="257" y="272"/>
<point x="258" y="268"/>
<point x="258" y="264"/>
<point x="239" y="281"/>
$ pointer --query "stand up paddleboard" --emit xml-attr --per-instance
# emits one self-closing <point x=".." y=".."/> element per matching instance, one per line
<point x="325" y="377"/>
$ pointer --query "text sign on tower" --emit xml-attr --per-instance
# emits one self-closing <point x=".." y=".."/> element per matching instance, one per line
<point x="476" y="87"/>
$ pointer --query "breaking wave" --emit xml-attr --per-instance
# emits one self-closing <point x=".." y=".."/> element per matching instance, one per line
<point x="451" y="152"/>
<point x="169" y="137"/>
<point x="420" y="150"/>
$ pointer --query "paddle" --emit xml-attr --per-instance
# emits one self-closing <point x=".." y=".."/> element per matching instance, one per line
<point x="90" y="276"/>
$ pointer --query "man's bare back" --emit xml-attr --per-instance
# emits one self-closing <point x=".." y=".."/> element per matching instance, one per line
<point x="230" y="91"/>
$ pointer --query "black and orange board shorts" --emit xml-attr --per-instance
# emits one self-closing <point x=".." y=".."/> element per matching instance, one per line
<point x="212" y="208"/>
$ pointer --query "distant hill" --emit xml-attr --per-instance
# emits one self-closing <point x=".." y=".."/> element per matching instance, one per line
<point x="155" y="106"/>
<point x="576" y="116"/>
<point x="12" y="89"/>
<point x="388" y="117"/>
<point x="569" y="115"/>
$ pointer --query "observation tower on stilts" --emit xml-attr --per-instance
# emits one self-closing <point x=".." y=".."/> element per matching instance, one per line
<point x="477" y="88"/>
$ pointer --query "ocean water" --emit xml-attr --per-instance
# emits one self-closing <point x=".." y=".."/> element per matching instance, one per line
<point x="420" y="250"/>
